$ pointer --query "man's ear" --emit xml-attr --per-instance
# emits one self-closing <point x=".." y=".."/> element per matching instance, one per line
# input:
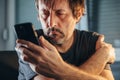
<point x="79" y="14"/>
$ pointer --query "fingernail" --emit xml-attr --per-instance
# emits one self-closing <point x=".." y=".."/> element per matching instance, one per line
<point x="17" y="41"/>
<point x="42" y="37"/>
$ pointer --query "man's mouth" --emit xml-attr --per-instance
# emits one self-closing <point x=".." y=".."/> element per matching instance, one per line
<point x="55" y="33"/>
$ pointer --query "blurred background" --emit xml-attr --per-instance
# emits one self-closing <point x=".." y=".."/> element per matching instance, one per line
<point x="102" y="16"/>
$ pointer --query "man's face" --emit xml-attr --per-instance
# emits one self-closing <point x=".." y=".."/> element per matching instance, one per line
<point x="57" y="20"/>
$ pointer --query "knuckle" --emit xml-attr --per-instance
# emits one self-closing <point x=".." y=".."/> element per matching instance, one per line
<point x="102" y="36"/>
<point x="106" y="47"/>
<point x="53" y="47"/>
<point x="28" y="43"/>
<point x="23" y="50"/>
<point x="39" y="60"/>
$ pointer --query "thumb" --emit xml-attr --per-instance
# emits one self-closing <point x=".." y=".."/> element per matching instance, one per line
<point x="45" y="44"/>
<point x="99" y="41"/>
<point x="101" y="38"/>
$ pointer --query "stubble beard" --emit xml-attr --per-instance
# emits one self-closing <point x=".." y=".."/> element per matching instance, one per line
<point x="52" y="37"/>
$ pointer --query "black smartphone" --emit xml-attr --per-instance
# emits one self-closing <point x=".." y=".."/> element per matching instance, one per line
<point x="26" y="32"/>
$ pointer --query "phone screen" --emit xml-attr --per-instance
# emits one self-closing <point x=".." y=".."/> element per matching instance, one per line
<point x="26" y="31"/>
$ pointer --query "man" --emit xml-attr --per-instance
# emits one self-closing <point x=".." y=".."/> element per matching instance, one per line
<point x="65" y="53"/>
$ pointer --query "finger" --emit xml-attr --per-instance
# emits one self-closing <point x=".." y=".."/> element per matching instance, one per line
<point x="45" y="43"/>
<point x="28" y="55"/>
<point x="17" y="48"/>
<point x="101" y="38"/>
<point x="112" y="55"/>
<point x="33" y="47"/>
<point x="21" y="55"/>
<point x="20" y="44"/>
<point x="44" y="71"/>
<point x="99" y="41"/>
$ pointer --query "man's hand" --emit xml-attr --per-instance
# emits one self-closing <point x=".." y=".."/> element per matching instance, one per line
<point x="41" y="77"/>
<point x="101" y="44"/>
<point x="44" y="59"/>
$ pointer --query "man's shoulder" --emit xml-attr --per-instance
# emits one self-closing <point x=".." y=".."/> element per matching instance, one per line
<point x="87" y="33"/>
<point x="87" y="38"/>
<point x="85" y="44"/>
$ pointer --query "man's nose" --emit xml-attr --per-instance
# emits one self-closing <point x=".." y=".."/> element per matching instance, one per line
<point x="52" y="20"/>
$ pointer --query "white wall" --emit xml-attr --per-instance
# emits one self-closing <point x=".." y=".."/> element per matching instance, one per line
<point x="26" y="12"/>
<point x="109" y="20"/>
<point x="7" y="15"/>
<point x="2" y="23"/>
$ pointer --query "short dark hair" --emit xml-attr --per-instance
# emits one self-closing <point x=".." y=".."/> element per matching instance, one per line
<point x="75" y="6"/>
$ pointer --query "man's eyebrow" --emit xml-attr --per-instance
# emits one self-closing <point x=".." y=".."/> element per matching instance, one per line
<point x="44" y="9"/>
<point x="60" y="10"/>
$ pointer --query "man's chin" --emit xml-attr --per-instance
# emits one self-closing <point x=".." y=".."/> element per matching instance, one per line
<point x="56" y="42"/>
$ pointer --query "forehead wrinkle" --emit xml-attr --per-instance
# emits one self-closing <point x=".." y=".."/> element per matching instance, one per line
<point x="46" y="3"/>
<point x="53" y="4"/>
<point x="58" y="4"/>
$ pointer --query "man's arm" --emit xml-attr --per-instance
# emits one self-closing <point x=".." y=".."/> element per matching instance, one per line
<point x="98" y="63"/>
<point x="72" y="73"/>
<point x="94" y="68"/>
<point x="91" y="66"/>
<point x="107" y="73"/>
<point x="49" y="63"/>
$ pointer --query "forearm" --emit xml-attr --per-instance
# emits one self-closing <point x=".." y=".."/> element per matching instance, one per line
<point x="69" y="72"/>
<point x="41" y="77"/>
<point x="96" y="63"/>
<point x="107" y="74"/>
<point x="88" y="71"/>
<point x="73" y="73"/>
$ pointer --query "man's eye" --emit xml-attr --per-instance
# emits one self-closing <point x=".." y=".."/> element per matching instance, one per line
<point x="60" y="13"/>
<point x="46" y="13"/>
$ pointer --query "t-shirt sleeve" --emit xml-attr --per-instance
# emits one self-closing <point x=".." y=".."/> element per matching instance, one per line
<point x="92" y="39"/>
<point x="87" y="44"/>
<point x="25" y="72"/>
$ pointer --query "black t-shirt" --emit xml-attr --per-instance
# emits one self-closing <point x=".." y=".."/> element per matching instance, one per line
<point x="82" y="48"/>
